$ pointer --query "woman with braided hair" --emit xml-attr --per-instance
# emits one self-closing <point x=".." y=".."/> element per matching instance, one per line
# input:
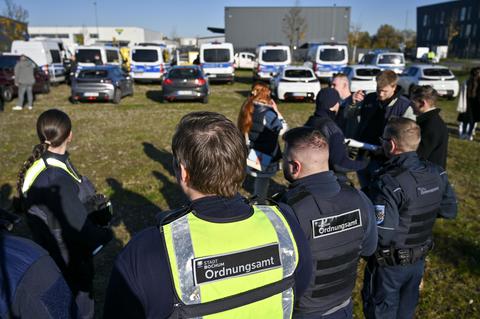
<point x="53" y="194"/>
<point x="262" y="123"/>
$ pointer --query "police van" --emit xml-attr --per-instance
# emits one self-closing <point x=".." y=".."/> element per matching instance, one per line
<point x="146" y="62"/>
<point x="325" y="59"/>
<point x="86" y="56"/>
<point x="216" y="60"/>
<point x="271" y="58"/>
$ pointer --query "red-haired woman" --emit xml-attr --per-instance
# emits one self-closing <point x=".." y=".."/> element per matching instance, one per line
<point x="261" y="123"/>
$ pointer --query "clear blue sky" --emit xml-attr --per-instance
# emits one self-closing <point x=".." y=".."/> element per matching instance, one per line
<point x="191" y="17"/>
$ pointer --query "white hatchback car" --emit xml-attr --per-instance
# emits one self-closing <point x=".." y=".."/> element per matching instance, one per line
<point x="439" y="77"/>
<point x="362" y="77"/>
<point x="295" y="83"/>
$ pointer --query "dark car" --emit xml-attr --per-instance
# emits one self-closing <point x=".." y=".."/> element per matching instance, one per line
<point x="7" y="79"/>
<point x="185" y="83"/>
<point x="101" y="83"/>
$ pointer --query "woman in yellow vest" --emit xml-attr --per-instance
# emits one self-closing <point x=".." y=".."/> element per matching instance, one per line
<point x="56" y="197"/>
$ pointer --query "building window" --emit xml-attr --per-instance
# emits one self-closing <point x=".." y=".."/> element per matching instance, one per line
<point x="425" y="19"/>
<point x="49" y="35"/>
<point x="469" y="13"/>
<point x="442" y="17"/>
<point x="468" y="29"/>
<point x="429" y="34"/>
<point x="463" y="12"/>
<point x="474" y="31"/>
<point x="93" y="35"/>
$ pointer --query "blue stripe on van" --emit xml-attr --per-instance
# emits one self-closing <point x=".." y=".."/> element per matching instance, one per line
<point x="145" y="68"/>
<point x="330" y="67"/>
<point x="270" y="68"/>
<point x="216" y="65"/>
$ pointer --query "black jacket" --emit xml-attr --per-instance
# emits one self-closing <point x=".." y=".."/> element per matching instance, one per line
<point x="323" y="120"/>
<point x="434" y="143"/>
<point x="56" y="193"/>
<point x="374" y="115"/>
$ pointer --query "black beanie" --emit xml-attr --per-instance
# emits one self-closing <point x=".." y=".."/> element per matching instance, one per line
<point x="326" y="99"/>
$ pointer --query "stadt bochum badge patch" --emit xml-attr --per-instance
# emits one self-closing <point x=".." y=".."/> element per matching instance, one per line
<point x="380" y="213"/>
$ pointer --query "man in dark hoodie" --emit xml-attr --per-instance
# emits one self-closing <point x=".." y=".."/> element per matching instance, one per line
<point x="327" y="106"/>
<point x="375" y="109"/>
<point x="434" y="132"/>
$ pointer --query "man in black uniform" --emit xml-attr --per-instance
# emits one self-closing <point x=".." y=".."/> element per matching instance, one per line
<point x="408" y="194"/>
<point x="338" y="221"/>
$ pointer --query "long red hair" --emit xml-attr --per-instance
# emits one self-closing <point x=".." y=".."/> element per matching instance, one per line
<point x="260" y="93"/>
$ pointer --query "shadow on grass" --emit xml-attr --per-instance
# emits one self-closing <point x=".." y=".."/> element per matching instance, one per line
<point x="161" y="156"/>
<point x="243" y="93"/>
<point x="462" y="253"/>
<point x="155" y="95"/>
<point x="244" y="79"/>
<point x="171" y="191"/>
<point x="136" y="211"/>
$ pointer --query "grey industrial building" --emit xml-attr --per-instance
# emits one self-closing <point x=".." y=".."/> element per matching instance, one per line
<point x="455" y="24"/>
<point x="247" y="27"/>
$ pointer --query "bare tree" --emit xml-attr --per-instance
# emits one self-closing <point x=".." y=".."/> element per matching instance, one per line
<point x="15" y="11"/>
<point x="452" y="28"/>
<point x="294" y="26"/>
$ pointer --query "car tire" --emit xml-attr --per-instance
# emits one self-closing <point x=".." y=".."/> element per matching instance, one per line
<point x="205" y="100"/>
<point x="72" y="100"/>
<point x="46" y="88"/>
<point x="117" y="96"/>
<point x="7" y="93"/>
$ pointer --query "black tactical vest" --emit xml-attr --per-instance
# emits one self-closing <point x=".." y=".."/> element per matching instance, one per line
<point x="423" y="193"/>
<point x="334" y="229"/>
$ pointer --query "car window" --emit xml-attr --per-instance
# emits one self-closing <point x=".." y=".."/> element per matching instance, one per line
<point x="93" y="74"/>
<point x="368" y="72"/>
<point x="390" y="59"/>
<point x="8" y="62"/>
<point x="144" y="55"/>
<point x="216" y="55"/>
<point x="332" y="54"/>
<point x="112" y="56"/>
<point x="274" y="55"/>
<point x="55" y="56"/>
<point x="184" y="73"/>
<point x="412" y="71"/>
<point x="87" y="55"/>
<point x="298" y="74"/>
<point x="368" y="59"/>
<point x="437" y="72"/>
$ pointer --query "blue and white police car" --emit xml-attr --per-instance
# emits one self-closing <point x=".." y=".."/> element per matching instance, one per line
<point x="271" y="59"/>
<point x="146" y="62"/>
<point x="325" y="59"/>
<point x="216" y="60"/>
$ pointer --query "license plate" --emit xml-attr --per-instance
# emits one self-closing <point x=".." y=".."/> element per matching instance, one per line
<point x="185" y="93"/>
<point x="91" y="94"/>
<point x="212" y="75"/>
<point x="442" y="92"/>
<point x="299" y="94"/>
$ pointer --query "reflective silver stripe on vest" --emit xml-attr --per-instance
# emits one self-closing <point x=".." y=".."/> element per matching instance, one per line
<point x="287" y="249"/>
<point x="287" y="303"/>
<point x="183" y="246"/>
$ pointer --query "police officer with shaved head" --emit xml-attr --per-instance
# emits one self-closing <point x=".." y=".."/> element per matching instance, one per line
<point x="337" y="219"/>
<point x="409" y="195"/>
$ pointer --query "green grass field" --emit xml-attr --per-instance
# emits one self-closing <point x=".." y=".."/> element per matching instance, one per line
<point x="125" y="151"/>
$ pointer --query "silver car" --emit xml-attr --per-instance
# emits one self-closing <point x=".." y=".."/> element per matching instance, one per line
<point x="101" y="83"/>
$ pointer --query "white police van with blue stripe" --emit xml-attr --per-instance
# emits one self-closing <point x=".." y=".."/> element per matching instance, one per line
<point x="216" y="60"/>
<point x="326" y="59"/>
<point x="271" y="59"/>
<point x="146" y="62"/>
